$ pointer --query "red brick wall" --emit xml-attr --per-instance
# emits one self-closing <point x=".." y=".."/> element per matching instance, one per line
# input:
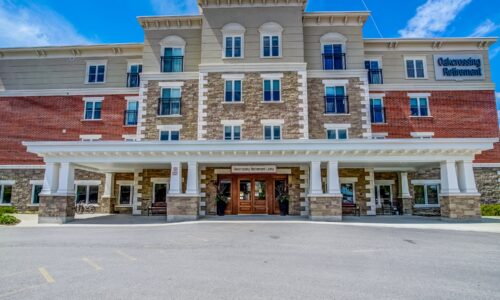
<point x="45" y="118"/>
<point x="492" y="156"/>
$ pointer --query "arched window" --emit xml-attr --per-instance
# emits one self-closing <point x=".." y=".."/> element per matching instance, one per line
<point x="333" y="49"/>
<point x="172" y="54"/>
<point x="270" y="39"/>
<point x="233" y="40"/>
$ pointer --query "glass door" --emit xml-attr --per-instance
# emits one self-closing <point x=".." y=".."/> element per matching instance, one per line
<point x="245" y="195"/>
<point x="260" y="196"/>
<point x="383" y="195"/>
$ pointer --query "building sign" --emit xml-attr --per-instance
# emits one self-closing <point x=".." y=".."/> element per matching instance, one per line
<point x="253" y="169"/>
<point x="459" y="67"/>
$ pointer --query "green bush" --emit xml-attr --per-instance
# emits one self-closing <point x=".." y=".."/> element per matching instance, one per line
<point x="8" y="220"/>
<point x="7" y="210"/>
<point x="490" y="210"/>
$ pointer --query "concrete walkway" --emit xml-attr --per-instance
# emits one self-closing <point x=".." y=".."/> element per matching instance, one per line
<point x="487" y="224"/>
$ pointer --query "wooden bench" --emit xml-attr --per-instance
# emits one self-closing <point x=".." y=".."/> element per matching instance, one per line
<point x="158" y="208"/>
<point x="351" y="209"/>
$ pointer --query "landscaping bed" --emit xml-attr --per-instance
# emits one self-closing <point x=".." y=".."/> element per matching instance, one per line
<point x="6" y="218"/>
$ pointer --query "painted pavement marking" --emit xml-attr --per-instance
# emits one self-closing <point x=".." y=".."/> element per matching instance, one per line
<point x="92" y="264"/>
<point x="125" y="255"/>
<point x="46" y="275"/>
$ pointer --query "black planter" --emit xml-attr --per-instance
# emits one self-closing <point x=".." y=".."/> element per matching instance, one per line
<point x="284" y="208"/>
<point x="221" y="208"/>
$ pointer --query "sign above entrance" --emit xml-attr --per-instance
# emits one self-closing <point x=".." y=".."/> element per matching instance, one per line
<point x="253" y="169"/>
<point x="459" y="67"/>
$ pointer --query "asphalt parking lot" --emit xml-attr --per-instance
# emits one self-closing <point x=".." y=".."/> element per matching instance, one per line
<point x="247" y="261"/>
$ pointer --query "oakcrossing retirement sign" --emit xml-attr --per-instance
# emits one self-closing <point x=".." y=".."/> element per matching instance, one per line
<point x="459" y="67"/>
<point x="253" y="169"/>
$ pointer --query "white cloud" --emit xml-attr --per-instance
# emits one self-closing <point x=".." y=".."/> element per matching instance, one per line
<point x="485" y="28"/>
<point x="175" y="7"/>
<point x="25" y="25"/>
<point x="433" y="17"/>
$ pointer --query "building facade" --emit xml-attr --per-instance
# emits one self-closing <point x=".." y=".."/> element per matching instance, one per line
<point x="250" y="100"/>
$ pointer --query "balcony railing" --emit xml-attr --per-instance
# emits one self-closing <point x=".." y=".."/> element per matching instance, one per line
<point x="133" y="79"/>
<point x="377" y="114"/>
<point x="334" y="61"/>
<point x="170" y="64"/>
<point x="336" y="105"/>
<point x="169" y="106"/>
<point x="375" y="76"/>
<point x="130" y="117"/>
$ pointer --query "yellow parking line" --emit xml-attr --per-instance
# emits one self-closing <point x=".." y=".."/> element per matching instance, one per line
<point x="92" y="264"/>
<point x="126" y="255"/>
<point x="46" y="275"/>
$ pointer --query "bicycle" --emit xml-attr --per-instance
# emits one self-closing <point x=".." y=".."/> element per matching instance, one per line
<point x="82" y="207"/>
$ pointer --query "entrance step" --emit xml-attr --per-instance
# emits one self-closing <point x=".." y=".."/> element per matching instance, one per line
<point x="254" y="218"/>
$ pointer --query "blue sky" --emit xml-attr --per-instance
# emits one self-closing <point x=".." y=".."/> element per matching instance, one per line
<point x="60" y="22"/>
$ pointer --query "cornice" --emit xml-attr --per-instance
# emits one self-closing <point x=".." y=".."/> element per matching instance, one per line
<point x="170" y="22"/>
<point x="472" y="86"/>
<point x="335" y="18"/>
<point x="70" y="92"/>
<point x="249" y="3"/>
<point x="429" y="44"/>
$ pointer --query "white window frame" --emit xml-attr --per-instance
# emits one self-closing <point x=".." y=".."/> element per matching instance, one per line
<point x="129" y="184"/>
<point x="233" y="30"/>
<point x="156" y="181"/>
<point x="96" y="63"/>
<point x="232" y="95"/>
<point x="133" y="62"/>
<point x="379" y="135"/>
<point x="426" y="183"/>
<point x="170" y="135"/>
<point x="419" y="97"/>
<point x="273" y="123"/>
<point x="130" y="137"/>
<point x="414" y="58"/>
<point x="422" y="135"/>
<point x="350" y="180"/>
<point x="381" y="98"/>
<point x="272" y="76"/>
<point x="34" y="183"/>
<point x="88" y="184"/>
<point x="377" y="59"/>
<point x="233" y="36"/>
<point x="90" y="137"/>
<point x="271" y="29"/>
<point x="232" y="132"/>
<point x="337" y="134"/>
<point x="337" y="127"/>
<point x="4" y="183"/>
<point x="92" y="100"/>
<point x="172" y="41"/>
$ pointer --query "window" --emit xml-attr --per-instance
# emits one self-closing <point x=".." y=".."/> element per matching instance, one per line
<point x="87" y="194"/>
<point x="272" y="90"/>
<point x="96" y="72"/>
<point x="232" y="46"/>
<point x="379" y="135"/>
<point x="170" y="102"/>
<point x="377" y="110"/>
<point x="333" y="57"/>
<point x="271" y="46"/>
<point x="415" y="68"/>
<point x="336" y="102"/>
<point x="337" y="134"/>
<point x="233" y="91"/>
<point x="426" y="195"/>
<point x="419" y="107"/>
<point x="133" y="76"/>
<point x="348" y="194"/>
<point x="232" y="133"/>
<point x="272" y="132"/>
<point x="173" y="60"/>
<point x="374" y="71"/>
<point x="126" y="193"/>
<point x="93" y="109"/>
<point x="131" y="113"/>
<point x="159" y="192"/>
<point x="5" y="194"/>
<point x="169" y="135"/>
<point x="36" y="190"/>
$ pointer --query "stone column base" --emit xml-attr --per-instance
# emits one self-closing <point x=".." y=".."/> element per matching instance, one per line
<point x="182" y="208"/>
<point x="407" y="206"/>
<point x="461" y="207"/>
<point x="325" y="208"/>
<point x="56" y="209"/>
<point x="107" y="206"/>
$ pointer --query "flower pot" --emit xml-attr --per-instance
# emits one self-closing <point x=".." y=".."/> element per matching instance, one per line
<point x="221" y="208"/>
<point x="284" y="208"/>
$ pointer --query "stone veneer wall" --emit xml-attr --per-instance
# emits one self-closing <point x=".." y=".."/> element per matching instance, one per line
<point x="461" y="207"/>
<point x="104" y="207"/>
<point x="325" y="208"/>
<point x="424" y="174"/>
<point x="359" y="187"/>
<point x="488" y="184"/>
<point x="147" y="185"/>
<point x="182" y="209"/>
<point x="116" y="192"/>
<point x="395" y="187"/>
<point x="189" y="112"/>
<point x="317" y="117"/>
<point x="56" y="209"/>
<point x="22" y="189"/>
<point x="253" y="109"/>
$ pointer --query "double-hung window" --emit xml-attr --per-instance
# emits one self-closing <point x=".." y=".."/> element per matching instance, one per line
<point x="170" y="135"/>
<point x="415" y="68"/>
<point x="337" y="134"/>
<point x="426" y="194"/>
<point x="232" y="132"/>
<point x="272" y="132"/>
<point x="170" y="102"/>
<point x="96" y="72"/>
<point x="336" y="102"/>
<point x="272" y="90"/>
<point x="374" y="71"/>
<point x="333" y="57"/>
<point x="5" y="194"/>
<point x="131" y="113"/>
<point x="377" y="110"/>
<point x="126" y="194"/>
<point x="36" y="189"/>
<point x="233" y="91"/>
<point x="133" y="76"/>
<point x="87" y="194"/>
<point x="173" y="60"/>
<point x="233" y="47"/>
<point x="93" y="109"/>
<point x="271" y="46"/>
<point x="419" y="107"/>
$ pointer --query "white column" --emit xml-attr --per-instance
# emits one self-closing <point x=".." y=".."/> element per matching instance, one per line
<point x="136" y="211"/>
<point x="333" y="181"/>
<point x="51" y="179"/>
<point x="108" y="185"/>
<point x="466" y="179"/>
<point x="175" y="178"/>
<point x="192" y="178"/>
<point x="66" y="180"/>
<point x="315" y="185"/>
<point x="449" y="180"/>
<point x="405" y="188"/>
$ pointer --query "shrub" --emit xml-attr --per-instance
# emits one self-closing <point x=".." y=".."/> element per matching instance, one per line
<point x="7" y="210"/>
<point x="8" y="220"/>
<point x="490" y="210"/>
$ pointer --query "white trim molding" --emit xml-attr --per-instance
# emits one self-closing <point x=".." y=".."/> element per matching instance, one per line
<point x="232" y="122"/>
<point x="272" y="122"/>
<point x="7" y="182"/>
<point x="171" y="84"/>
<point x="419" y="95"/>
<point x="169" y="127"/>
<point x="336" y="126"/>
<point x="271" y="76"/>
<point x="422" y="134"/>
<point x="87" y="182"/>
<point x="233" y="76"/>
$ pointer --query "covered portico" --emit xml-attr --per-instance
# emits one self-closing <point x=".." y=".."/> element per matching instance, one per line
<point x="322" y="160"/>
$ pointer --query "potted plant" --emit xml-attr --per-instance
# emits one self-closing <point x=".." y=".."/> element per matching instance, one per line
<point x="283" y="197"/>
<point x="221" y="199"/>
